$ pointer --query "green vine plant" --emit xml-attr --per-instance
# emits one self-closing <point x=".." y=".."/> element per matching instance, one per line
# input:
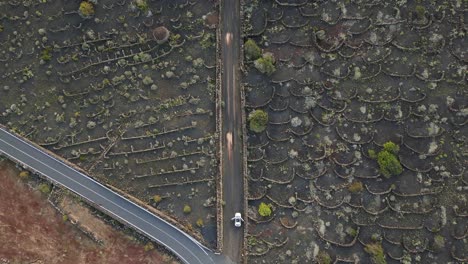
<point x="389" y="164"/>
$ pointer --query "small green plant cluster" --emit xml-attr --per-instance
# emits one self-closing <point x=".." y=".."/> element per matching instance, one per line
<point x="258" y="120"/>
<point x="264" y="209"/>
<point x="174" y="39"/>
<point x="252" y="51"/>
<point x="351" y="231"/>
<point x="252" y="241"/>
<point x="24" y="175"/>
<point x="420" y="11"/>
<point x="207" y="40"/>
<point x="187" y="209"/>
<point x="86" y="9"/>
<point x="387" y="159"/>
<point x="439" y="242"/>
<point x="149" y="246"/>
<point x="44" y="188"/>
<point x="1" y="28"/>
<point x="372" y="154"/>
<point x="355" y="187"/>
<point x="324" y="258"/>
<point x="266" y="64"/>
<point x="441" y="156"/>
<point x="389" y="164"/>
<point x="142" y="5"/>
<point x="377" y="253"/>
<point x="200" y="222"/>
<point x="45" y="54"/>
<point x="157" y="198"/>
<point x="391" y="147"/>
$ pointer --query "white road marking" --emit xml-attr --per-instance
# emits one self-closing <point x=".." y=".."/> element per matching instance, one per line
<point x="201" y="246"/>
<point x="229" y="144"/>
<point x="111" y="202"/>
<point x="228" y="38"/>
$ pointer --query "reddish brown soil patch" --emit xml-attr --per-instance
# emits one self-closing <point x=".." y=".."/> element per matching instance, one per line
<point x="32" y="230"/>
<point x="212" y="19"/>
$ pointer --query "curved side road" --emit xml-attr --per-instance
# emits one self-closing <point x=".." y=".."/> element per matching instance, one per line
<point x="181" y="244"/>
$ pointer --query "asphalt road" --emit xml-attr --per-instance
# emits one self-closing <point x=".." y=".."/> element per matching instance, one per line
<point x="233" y="189"/>
<point x="182" y="245"/>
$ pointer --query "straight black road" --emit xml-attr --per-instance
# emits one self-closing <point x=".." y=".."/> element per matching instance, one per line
<point x="233" y="188"/>
<point x="186" y="248"/>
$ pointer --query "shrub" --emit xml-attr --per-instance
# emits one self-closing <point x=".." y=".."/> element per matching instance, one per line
<point x="200" y="222"/>
<point x="86" y="9"/>
<point x="142" y="5"/>
<point x="391" y="147"/>
<point x="420" y="11"/>
<point x="389" y="164"/>
<point x="64" y="217"/>
<point x="355" y="186"/>
<point x="208" y="40"/>
<point x="149" y="246"/>
<point x="372" y="154"/>
<point x="324" y="258"/>
<point x="187" y="209"/>
<point x="157" y="198"/>
<point x="439" y="242"/>
<point x="24" y="175"/>
<point x="252" y="241"/>
<point x="376" y="252"/>
<point x="44" y="188"/>
<point x="252" y="51"/>
<point x="351" y="231"/>
<point x="258" y="120"/>
<point x="266" y="64"/>
<point x="45" y="54"/>
<point x="264" y="209"/>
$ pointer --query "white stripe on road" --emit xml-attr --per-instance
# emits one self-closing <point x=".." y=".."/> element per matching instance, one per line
<point x="111" y="202"/>
<point x="201" y="246"/>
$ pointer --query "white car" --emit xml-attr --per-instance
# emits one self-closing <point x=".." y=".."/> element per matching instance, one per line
<point x="237" y="220"/>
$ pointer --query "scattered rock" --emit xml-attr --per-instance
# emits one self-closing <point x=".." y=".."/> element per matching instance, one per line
<point x="161" y="34"/>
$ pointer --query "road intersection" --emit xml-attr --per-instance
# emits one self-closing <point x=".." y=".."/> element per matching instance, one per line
<point x="186" y="248"/>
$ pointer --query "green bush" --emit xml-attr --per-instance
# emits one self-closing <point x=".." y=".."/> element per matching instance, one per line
<point x="45" y="54"/>
<point x="351" y="231"/>
<point x="264" y="209"/>
<point x="258" y="120"/>
<point x="376" y="252"/>
<point x="142" y="5"/>
<point x="200" y="222"/>
<point x="149" y="246"/>
<point x="252" y="51"/>
<point x="391" y="147"/>
<point x="266" y="64"/>
<point x="24" y="175"/>
<point x="389" y="164"/>
<point x="86" y="9"/>
<point x="208" y="40"/>
<point x="44" y="188"/>
<point x="157" y="198"/>
<point x="372" y="154"/>
<point x="355" y="186"/>
<point x="187" y="209"/>
<point x="420" y="11"/>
